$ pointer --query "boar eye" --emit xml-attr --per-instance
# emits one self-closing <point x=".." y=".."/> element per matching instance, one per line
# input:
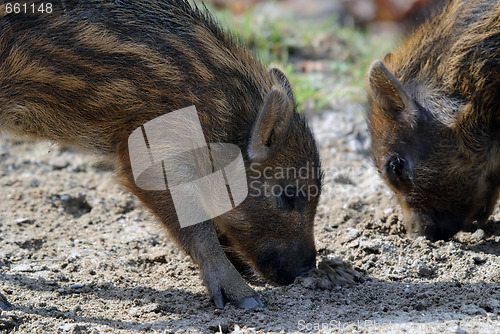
<point x="292" y="200"/>
<point x="397" y="170"/>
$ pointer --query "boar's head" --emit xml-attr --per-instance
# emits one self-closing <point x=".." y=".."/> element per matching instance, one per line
<point x="272" y="229"/>
<point x="434" y="152"/>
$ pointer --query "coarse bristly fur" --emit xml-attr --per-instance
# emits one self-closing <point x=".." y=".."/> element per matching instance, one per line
<point x="89" y="73"/>
<point x="435" y="122"/>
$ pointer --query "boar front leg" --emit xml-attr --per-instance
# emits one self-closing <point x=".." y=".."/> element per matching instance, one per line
<point x="223" y="281"/>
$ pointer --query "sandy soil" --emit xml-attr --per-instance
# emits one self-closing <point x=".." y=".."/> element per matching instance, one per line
<point x="80" y="255"/>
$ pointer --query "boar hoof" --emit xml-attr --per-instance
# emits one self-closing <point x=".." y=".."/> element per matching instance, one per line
<point x="221" y="297"/>
<point x="249" y="303"/>
<point x="233" y="289"/>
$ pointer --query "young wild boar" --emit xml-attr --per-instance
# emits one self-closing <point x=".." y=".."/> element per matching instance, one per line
<point x="88" y="73"/>
<point x="435" y="121"/>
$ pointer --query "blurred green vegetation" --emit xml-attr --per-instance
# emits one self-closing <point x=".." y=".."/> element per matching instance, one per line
<point x="325" y="62"/>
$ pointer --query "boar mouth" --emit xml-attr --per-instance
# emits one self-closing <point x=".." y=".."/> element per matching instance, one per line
<point x="274" y="264"/>
<point x="436" y="225"/>
<point x="269" y="268"/>
<point x="282" y="267"/>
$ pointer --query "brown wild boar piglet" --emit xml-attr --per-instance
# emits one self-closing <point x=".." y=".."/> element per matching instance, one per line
<point x="87" y="74"/>
<point x="435" y="119"/>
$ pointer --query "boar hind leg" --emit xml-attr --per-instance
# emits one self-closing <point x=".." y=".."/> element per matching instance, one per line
<point x="223" y="281"/>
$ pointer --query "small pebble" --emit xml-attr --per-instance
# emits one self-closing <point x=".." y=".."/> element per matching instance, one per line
<point x="472" y="309"/>
<point x="23" y="268"/>
<point x="388" y="211"/>
<point x="438" y="256"/>
<point x="342" y="179"/>
<point x="478" y="235"/>
<point x="460" y="331"/>
<point x="22" y="220"/>
<point x="75" y="169"/>
<point x="366" y="266"/>
<point x="58" y="163"/>
<point x="421" y="306"/>
<point x="68" y="327"/>
<point x="424" y="270"/>
<point x="76" y="286"/>
<point x="479" y="260"/>
<point x="371" y="246"/>
<point x="133" y="312"/>
<point x="350" y="235"/>
<point x="490" y="305"/>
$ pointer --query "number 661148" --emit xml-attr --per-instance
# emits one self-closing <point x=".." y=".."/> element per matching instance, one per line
<point x="28" y="8"/>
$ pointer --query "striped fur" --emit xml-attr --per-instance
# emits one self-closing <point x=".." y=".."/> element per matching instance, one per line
<point x="91" y="72"/>
<point x="435" y="119"/>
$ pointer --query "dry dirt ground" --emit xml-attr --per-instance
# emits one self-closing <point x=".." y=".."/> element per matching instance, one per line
<point x="80" y="255"/>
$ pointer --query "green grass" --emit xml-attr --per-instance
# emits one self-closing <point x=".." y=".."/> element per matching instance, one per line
<point x="289" y="41"/>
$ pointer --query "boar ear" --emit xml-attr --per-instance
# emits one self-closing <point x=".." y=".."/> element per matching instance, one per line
<point x="279" y="76"/>
<point x="271" y="126"/>
<point x="386" y="90"/>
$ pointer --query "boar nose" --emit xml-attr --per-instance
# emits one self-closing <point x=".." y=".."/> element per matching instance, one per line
<point x="437" y="225"/>
<point x="284" y="265"/>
